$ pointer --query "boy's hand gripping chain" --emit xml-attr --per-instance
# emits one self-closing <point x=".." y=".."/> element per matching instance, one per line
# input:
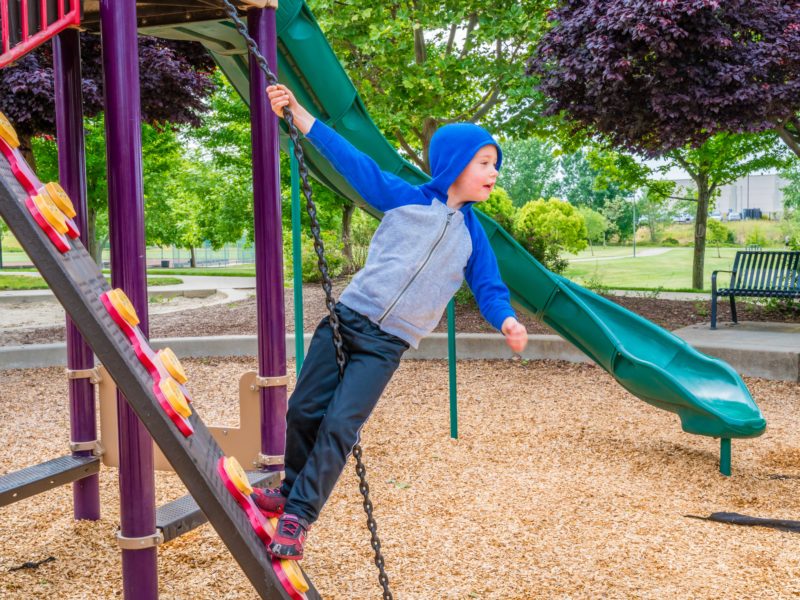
<point x="322" y="263"/>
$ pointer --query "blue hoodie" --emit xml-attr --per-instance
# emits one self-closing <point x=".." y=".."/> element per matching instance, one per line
<point x="423" y="249"/>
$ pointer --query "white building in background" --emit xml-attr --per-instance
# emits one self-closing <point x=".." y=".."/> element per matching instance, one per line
<point x="759" y="190"/>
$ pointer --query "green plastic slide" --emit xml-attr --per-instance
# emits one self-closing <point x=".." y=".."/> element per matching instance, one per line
<point x="706" y="393"/>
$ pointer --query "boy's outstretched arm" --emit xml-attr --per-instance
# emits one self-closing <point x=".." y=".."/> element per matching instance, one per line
<point x="483" y="278"/>
<point x="382" y="190"/>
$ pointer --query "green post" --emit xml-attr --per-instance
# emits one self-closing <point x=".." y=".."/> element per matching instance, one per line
<point x="297" y="263"/>
<point x="451" y="359"/>
<point x="725" y="456"/>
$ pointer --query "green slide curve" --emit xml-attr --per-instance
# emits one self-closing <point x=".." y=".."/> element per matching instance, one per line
<point x="706" y="393"/>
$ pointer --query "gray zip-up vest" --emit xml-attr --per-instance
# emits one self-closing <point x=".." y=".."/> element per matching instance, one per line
<point x="415" y="264"/>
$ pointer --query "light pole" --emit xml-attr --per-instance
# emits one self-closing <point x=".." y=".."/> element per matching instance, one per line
<point x="635" y="224"/>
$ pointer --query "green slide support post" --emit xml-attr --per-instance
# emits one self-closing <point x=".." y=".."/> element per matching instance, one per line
<point x="451" y="359"/>
<point x="707" y="395"/>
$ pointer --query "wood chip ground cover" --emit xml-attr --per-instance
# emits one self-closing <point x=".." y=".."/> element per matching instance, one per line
<point x="562" y="485"/>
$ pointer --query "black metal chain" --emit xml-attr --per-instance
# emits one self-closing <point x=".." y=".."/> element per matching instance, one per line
<point x="327" y="286"/>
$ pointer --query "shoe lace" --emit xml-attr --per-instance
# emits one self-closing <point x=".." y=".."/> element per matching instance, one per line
<point x="290" y="528"/>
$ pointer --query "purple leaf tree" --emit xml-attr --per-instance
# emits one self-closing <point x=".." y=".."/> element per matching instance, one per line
<point x="655" y="75"/>
<point x="175" y="85"/>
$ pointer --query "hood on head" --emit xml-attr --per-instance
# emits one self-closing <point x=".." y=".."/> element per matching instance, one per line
<point x="452" y="148"/>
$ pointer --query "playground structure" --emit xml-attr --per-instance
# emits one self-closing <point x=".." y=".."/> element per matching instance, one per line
<point x="708" y="396"/>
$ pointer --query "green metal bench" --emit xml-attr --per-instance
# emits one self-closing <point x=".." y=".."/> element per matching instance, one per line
<point x="758" y="274"/>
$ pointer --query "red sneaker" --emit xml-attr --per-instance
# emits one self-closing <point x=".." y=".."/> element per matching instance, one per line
<point x="270" y="501"/>
<point x="290" y="534"/>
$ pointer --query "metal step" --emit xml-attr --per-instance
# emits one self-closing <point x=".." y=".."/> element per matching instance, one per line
<point x="39" y="478"/>
<point x="179" y="516"/>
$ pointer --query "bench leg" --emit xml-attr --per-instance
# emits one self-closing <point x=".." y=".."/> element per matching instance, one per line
<point x="733" y="309"/>
<point x="714" y="310"/>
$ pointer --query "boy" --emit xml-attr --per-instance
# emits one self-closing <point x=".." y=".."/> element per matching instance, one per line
<point x="426" y="244"/>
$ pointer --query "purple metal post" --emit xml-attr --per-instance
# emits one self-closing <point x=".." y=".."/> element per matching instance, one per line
<point x="126" y="232"/>
<point x="268" y="240"/>
<point x="72" y="173"/>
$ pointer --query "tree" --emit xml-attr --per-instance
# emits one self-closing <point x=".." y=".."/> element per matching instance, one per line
<point x="174" y="79"/>
<point x="420" y="65"/>
<point x="718" y="234"/>
<point x="530" y="170"/>
<point x="656" y="76"/>
<point x="720" y="160"/>
<point x="583" y="184"/>
<point x="548" y="227"/>
<point x="163" y="165"/>
<point x="596" y="226"/>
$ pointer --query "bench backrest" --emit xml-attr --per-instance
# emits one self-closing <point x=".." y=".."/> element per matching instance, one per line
<point x="767" y="270"/>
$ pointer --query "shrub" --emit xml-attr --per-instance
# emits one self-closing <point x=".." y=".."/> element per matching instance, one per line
<point x="548" y="227"/>
<point x="362" y="229"/>
<point x="756" y="237"/>
<point x="499" y="207"/>
<point x="670" y="241"/>
<point x="310" y="269"/>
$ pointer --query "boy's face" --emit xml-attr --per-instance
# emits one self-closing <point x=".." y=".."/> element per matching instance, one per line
<point x="477" y="180"/>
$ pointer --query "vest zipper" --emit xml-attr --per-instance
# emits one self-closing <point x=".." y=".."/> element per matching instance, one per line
<point x="418" y="271"/>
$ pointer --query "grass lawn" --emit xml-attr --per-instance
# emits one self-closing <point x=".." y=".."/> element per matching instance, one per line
<point x="34" y="282"/>
<point x="232" y="271"/>
<point x="670" y="271"/>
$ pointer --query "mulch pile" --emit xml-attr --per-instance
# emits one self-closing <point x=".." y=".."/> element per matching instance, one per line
<point x="562" y="485"/>
<point x="239" y="318"/>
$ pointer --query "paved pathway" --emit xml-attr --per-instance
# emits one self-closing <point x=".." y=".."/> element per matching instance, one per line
<point x="639" y="253"/>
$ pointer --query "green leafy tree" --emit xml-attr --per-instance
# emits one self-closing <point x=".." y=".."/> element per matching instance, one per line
<point x="790" y="229"/>
<point x="420" y="65"/>
<point x="653" y="209"/>
<point x="499" y="207"/>
<point x="584" y="184"/>
<point x="720" y="160"/>
<point x="224" y="144"/>
<point x="619" y="213"/>
<point x="596" y="226"/>
<point x="161" y="160"/>
<point x="791" y="191"/>
<point x="530" y="170"/>
<point x="718" y="234"/>
<point x="546" y="228"/>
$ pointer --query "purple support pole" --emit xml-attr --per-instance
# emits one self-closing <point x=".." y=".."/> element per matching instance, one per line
<point x="269" y="245"/>
<point x="72" y="173"/>
<point x="126" y="232"/>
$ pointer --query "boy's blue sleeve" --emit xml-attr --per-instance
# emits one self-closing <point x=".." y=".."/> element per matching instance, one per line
<point x="483" y="278"/>
<point x="381" y="189"/>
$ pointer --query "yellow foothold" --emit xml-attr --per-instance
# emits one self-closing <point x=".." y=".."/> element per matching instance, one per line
<point x="7" y="132"/>
<point x="61" y="199"/>
<point x="295" y="575"/>
<point x="122" y="303"/>
<point x="174" y="395"/>
<point x="237" y="475"/>
<point x="51" y="213"/>
<point x="173" y="365"/>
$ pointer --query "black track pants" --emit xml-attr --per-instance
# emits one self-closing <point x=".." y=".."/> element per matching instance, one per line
<point x="325" y="414"/>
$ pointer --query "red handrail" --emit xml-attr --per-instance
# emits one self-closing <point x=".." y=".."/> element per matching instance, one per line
<point x="66" y="18"/>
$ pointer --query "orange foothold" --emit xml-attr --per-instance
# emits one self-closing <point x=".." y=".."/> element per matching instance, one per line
<point x="174" y="395"/>
<point x="173" y="365"/>
<point x="121" y="302"/>
<point x="7" y="132"/>
<point x="237" y="475"/>
<point x="61" y="199"/>
<point x="295" y="575"/>
<point x="51" y="213"/>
